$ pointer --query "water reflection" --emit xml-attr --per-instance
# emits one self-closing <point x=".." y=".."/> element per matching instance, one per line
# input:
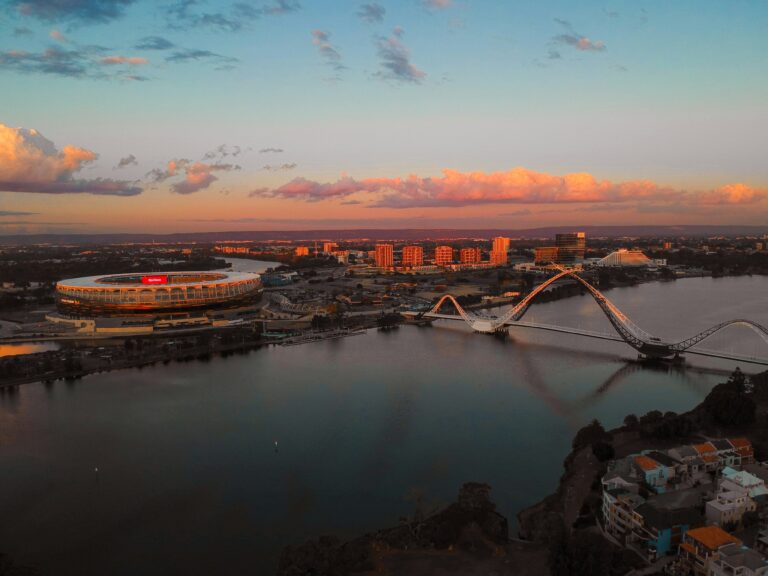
<point x="26" y="348"/>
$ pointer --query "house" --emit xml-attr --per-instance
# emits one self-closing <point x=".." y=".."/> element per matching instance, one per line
<point x="708" y="453"/>
<point x="701" y="548"/>
<point x="620" y="519"/>
<point x="655" y="474"/>
<point x="744" y="448"/>
<point x="663" y="528"/>
<point x="742" y="481"/>
<point x="728" y="508"/>
<point x="736" y="560"/>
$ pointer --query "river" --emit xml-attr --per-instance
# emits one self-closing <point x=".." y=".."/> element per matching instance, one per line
<point x="212" y="467"/>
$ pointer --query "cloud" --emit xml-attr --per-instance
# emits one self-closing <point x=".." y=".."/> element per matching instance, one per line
<point x="196" y="175"/>
<point x="437" y="4"/>
<point x="79" y="11"/>
<point x="22" y="31"/>
<point x="271" y="151"/>
<point x="199" y="175"/>
<point x="132" y="60"/>
<point x="129" y="160"/>
<point x="29" y="162"/>
<point x="222" y="152"/>
<point x="6" y="213"/>
<point x="195" y="55"/>
<point x="327" y="51"/>
<point x="154" y="43"/>
<point x="516" y="186"/>
<point x="279" y="167"/>
<point x="371" y="13"/>
<point x="395" y="60"/>
<point x="576" y="40"/>
<point x="183" y="14"/>
<point x="78" y="62"/>
<point x="580" y="43"/>
<point x="58" y="36"/>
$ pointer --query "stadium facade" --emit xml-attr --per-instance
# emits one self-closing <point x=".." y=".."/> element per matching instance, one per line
<point x="156" y="293"/>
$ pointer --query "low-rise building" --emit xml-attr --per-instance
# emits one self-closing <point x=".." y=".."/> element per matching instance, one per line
<point x="728" y="508"/>
<point x="736" y="560"/>
<point x="700" y="549"/>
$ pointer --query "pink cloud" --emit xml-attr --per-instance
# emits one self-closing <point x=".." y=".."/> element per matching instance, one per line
<point x="516" y="186"/>
<point x="197" y="175"/>
<point x="29" y="162"/>
<point x="132" y="60"/>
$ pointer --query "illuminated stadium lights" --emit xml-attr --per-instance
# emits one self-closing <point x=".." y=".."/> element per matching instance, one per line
<point x="147" y="293"/>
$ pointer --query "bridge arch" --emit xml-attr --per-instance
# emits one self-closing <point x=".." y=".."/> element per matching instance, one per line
<point x="630" y="332"/>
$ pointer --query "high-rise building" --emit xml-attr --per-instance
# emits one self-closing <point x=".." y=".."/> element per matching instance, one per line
<point x="668" y="245"/>
<point x="385" y="255"/>
<point x="500" y="244"/>
<point x="469" y="256"/>
<point x="413" y="256"/>
<point x="443" y="255"/>
<point x="499" y="250"/>
<point x="329" y="247"/>
<point x="571" y="247"/>
<point x="302" y="251"/>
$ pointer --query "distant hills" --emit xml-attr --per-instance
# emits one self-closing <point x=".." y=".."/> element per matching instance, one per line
<point x="388" y="234"/>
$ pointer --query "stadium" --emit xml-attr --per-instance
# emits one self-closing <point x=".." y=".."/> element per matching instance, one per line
<point x="155" y="293"/>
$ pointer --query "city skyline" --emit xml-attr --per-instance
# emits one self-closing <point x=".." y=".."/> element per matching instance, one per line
<point x="193" y="116"/>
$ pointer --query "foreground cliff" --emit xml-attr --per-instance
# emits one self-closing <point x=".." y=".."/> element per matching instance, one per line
<point x="468" y="537"/>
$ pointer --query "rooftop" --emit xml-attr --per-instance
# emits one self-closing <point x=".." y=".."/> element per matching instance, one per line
<point x="738" y="556"/>
<point x="646" y="463"/>
<point x="712" y="537"/>
<point x="704" y="448"/>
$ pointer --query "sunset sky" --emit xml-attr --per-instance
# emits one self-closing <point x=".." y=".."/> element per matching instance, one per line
<point x="193" y="115"/>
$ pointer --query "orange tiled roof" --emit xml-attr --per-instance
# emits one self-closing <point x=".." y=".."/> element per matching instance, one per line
<point x="710" y="457"/>
<point x="688" y="548"/>
<point x="740" y="442"/>
<point x="646" y="463"/>
<point x="704" y="448"/>
<point x="712" y="537"/>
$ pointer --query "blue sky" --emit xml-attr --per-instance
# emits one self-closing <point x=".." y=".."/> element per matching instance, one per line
<point x="628" y="92"/>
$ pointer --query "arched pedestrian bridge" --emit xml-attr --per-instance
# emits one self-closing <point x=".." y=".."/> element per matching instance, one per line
<point x="626" y="330"/>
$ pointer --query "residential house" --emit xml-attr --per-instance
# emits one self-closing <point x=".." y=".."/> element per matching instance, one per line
<point x="736" y="560"/>
<point x="700" y="549"/>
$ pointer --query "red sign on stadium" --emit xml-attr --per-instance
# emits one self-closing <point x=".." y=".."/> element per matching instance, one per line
<point x="155" y="279"/>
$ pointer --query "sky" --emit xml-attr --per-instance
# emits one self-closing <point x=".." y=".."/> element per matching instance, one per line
<point x="206" y="115"/>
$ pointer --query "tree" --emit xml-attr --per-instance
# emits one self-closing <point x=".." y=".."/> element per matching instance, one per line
<point x="631" y="421"/>
<point x="590" y="434"/>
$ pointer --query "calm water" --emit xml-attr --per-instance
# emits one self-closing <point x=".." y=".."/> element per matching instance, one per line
<point x="189" y="480"/>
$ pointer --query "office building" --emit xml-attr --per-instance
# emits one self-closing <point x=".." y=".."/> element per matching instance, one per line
<point x="571" y="247"/>
<point x="413" y="256"/>
<point x="545" y="254"/>
<point x="385" y="255"/>
<point x="329" y="247"/>
<point x="302" y="251"/>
